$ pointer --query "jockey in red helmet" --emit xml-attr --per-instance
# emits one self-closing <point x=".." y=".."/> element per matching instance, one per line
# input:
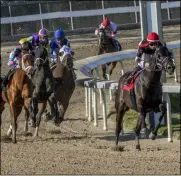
<point x="147" y="46"/>
<point x="111" y="29"/>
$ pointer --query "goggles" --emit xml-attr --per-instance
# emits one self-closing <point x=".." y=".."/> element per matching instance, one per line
<point x="153" y="43"/>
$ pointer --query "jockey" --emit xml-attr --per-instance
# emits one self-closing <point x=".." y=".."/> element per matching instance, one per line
<point x="14" y="58"/>
<point x="111" y="28"/>
<point x="43" y="37"/>
<point x="147" y="46"/>
<point x="56" y="44"/>
<point x="34" y="39"/>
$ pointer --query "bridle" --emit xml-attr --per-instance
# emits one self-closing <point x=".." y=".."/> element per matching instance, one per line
<point x="31" y="68"/>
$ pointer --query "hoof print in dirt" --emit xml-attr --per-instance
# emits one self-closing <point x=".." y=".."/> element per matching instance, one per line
<point x="26" y="134"/>
<point x="6" y="139"/>
<point x="118" y="148"/>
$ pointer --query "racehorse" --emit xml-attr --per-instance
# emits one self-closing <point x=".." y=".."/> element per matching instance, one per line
<point x="18" y="93"/>
<point x="64" y="76"/>
<point x="144" y="92"/>
<point x="106" y="45"/>
<point x="43" y="83"/>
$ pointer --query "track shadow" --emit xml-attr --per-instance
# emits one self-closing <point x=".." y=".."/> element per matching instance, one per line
<point x="74" y="119"/>
<point x="126" y="137"/>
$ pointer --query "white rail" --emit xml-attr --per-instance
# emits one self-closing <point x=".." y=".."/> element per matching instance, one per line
<point x="80" y="13"/>
<point x="84" y="79"/>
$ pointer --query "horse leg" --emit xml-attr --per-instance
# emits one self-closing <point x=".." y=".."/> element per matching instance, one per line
<point x="140" y="121"/>
<point x="119" y="120"/>
<point x="41" y="108"/>
<point x="1" y="111"/>
<point x="15" y="111"/>
<point x="104" y="71"/>
<point x="113" y="65"/>
<point x="144" y="131"/>
<point x="27" y="108"/>
<point x="163" y="109"/>
<point x="54" y="110"/>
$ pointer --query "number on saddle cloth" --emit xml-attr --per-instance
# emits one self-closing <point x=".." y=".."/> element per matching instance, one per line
<point x="65" y="50"/>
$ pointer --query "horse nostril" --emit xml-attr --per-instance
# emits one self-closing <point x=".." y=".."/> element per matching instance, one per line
<point x="169" y="67"/>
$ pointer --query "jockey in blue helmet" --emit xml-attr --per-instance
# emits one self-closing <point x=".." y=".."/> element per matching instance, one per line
<point x="58" y="42"/>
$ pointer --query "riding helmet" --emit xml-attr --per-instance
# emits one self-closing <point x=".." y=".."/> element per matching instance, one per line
<point x="106" y="22"/>
<point x="153" y="37"/>
<point x="43" y="32"/>
<point x="59" y="34"/>
<point x="26" y="46"/>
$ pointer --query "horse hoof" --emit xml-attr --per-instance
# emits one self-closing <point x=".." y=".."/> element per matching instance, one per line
<point x="14" y="141"/>
<point x="9" y="133"/>
<point x="152" y="136"/>
<point x="118" y="148"/>
<point x="138" y="147"/>
<point x="26" y="134"/>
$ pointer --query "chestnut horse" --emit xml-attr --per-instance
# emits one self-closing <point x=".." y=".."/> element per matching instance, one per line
<point x="106" y="45"/>
<point x="18" y="94"/>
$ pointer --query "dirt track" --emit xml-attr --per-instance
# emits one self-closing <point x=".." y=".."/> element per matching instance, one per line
<point x="77" y="147"/>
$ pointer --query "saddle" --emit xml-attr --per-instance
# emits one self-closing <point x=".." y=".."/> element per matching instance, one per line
<point x="128" y="86"/>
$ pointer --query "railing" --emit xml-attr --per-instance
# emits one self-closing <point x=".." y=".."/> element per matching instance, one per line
<point x="91" y="84"/>
<point x="82" y="13"/>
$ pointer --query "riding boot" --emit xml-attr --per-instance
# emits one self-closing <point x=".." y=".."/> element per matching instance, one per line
<point x="130" y="77"/>
<point x="136" y="69"/>
<point x="5" y="80"/>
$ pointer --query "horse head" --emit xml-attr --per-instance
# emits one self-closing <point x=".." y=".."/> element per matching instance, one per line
<point x="41" y="68"/>
<point x="41" y="57"/>
<point x="164" y="56"/>
<point x="103" y="38"/>
<point x="66" y="57"/>
<point x="26" y="63"/>
<point x="160" y="60"/>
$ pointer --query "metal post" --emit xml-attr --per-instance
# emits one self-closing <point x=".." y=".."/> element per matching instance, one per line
<point x="143" y="19"/>
<point x="90" y="104"/>
<point x="154" y="18"/>
<point x="11" y="22"/>
<point x="41" y="15"/>
<point x="136" y="16"/>
<point x="86" y="101"/>
<point x="122" y="67"/>
<point x="154" y="24"/>
<point x="71" y="18"/>
<point x="168" y="11"/>
<point x="169" y="122"/>
<point x="95" y="107"/>
<point x="103" y="16"/>
<point x="104" y="110"/>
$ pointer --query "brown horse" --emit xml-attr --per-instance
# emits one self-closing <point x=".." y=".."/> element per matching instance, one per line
<point x="64" y="80"/>
<point x="106" y="45"/>
<point x="19" y="93"/>
<point x="144" y="94"/>
<point x="43" y="83"/>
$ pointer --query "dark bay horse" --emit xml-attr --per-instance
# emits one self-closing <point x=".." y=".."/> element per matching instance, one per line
<point x="19" y="93"/>
<point x="144" y="93"/>
<point x="43" y="86"/>
<point x="64" y="76"/>
<point x="106" y="45"/>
